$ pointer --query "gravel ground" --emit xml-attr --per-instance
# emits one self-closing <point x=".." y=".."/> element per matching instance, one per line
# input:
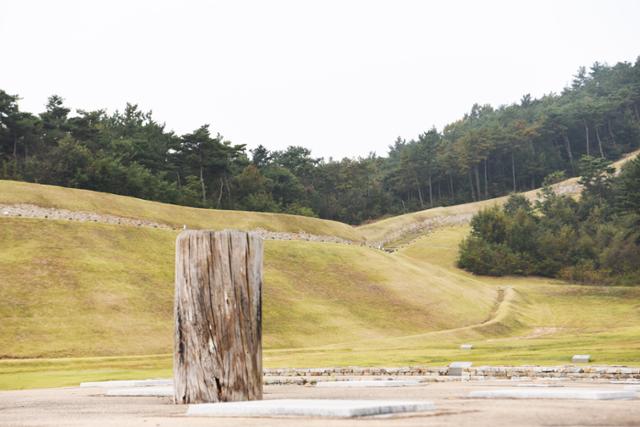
<point x="87" y="407"/>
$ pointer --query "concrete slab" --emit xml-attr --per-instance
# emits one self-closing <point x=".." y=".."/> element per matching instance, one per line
<point x="128" y="383"/>
<point x="634" y="387"/>
<point x="466" y="347"/>
<point x="539" y="385"/>
<point x="565" y="393"/>
<point x="308" y="408"/>
<point x="155" y="391"/>
<point x="370" y="383"/>
<point x="581" y="358"/>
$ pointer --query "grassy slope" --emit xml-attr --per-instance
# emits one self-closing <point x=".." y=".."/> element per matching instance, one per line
<point x="102" y="293"/>
<point x="381" y="230"/>
<point x="541" y="322"/>
<point x="325" y="304"/>
<point x="71" y="289"/>
<point x="13" y="192"/>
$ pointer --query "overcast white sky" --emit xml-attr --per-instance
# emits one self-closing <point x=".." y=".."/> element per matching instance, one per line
<point x="341" y="77"/>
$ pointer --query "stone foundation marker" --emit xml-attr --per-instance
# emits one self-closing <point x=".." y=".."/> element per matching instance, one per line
<point x="309" y="408"/>
<point x="567" y="393"/>
<point x="581" y="358"/>
<point x="466" y="347"/>
<point x="218" y="317"/>
<point x="456" y="368"/>
<point x="369" y="383"/>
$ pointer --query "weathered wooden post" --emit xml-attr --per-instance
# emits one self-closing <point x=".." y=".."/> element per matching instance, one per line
<point x="218" y="317"/>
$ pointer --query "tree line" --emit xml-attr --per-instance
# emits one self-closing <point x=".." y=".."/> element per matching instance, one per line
<point x="594" y="240"/>
<point x="487" y="153"/>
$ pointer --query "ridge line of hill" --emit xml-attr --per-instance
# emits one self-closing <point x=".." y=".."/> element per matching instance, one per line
<point x="21" y="199"/>
<point x="398" y="231"/>
<point x="25" y="210"/>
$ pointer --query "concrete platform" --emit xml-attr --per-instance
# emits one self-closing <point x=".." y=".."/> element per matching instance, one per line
<point x="565" y="393"/>
<point x="128" y="383"/>
<point x="370" y="383"/>
<point x="308" y="408"/>
<point x="149" y="391"/>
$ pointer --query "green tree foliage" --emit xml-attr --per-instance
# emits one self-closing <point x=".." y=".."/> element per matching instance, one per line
<point x="491" y="151"/>
<point x="593" y="240"/>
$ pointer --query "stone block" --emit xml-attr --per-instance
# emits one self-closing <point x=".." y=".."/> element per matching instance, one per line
<point x="151" y="391"/>
<point x="550" y="393"/>
<point x="466" y="347"/>
<point x="457" y="368"/>
<point x="128" y="383"/>
<point x="308" y="408"/>
<point x="368" y="383"/>
<point x="581" y="358"/>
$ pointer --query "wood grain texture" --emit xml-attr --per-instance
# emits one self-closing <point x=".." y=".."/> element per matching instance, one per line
<point x="218" y="317"/>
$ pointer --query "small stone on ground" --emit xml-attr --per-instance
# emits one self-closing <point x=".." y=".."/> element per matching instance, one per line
<point x="581" y="358"/>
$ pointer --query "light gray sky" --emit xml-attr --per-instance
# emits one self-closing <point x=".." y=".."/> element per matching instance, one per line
<point x="341" y="77"/>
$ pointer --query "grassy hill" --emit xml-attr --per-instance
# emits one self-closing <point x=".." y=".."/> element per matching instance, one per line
<point x="83" y="289"/>
<point x="87" y="301"/>
<point x="391" y="231"/>
<point x="49" y="196"/>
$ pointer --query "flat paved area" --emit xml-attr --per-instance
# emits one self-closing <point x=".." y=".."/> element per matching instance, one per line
<point x="87" y="407"/>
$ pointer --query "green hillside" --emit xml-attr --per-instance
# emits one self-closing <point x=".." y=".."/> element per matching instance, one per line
<point x="390" y="230"/>
<point x="84" y="301"/>
<point x="49" y="196"/>
<point x="73" y="289"/>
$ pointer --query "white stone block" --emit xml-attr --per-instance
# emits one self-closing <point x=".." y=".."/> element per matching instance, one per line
<point x="157" y="391"/>
<point x="128" y="383"/>
<point x="581" y="358"/>
<point x="539" y="385"/>
<point x="461" y="365"/>
<point x="369" y="383"/>
<point x="564" y="393"/>
<point x="466" y="347"/>
<point x="308" y="408"/>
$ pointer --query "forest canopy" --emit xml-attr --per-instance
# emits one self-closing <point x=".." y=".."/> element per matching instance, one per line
<point x="489" y="152"/>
